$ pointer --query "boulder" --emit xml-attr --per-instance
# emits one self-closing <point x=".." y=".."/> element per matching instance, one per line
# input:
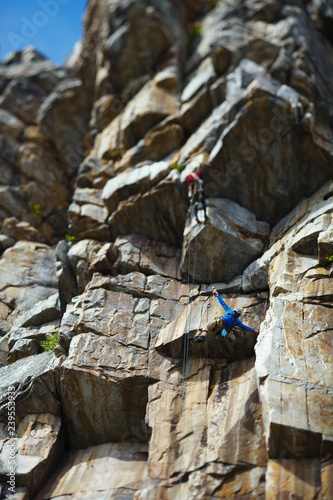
<point x="209" y="417"/>
<point x="23" y="98"/>
<point x="27" y="272"/>
<point x="132" y="182"/>
<point x="5" y="311"/>
<point x="8" y="154"/>
<point x="254" y="150"/>
<point x="27" y="83"/>
<point x="10" y="125"/>
<point x="20" y="230"/>
<point x="5" y="242"/>
<point x="162" y="140"/>
<point x="89" y="256"/>
<point x="125" y="464"/>
<point x="63" y="119"/>
<point x="140" y="36"/>
<point x="202" y="76"/>
<point x="22" y="349"/>
<point x="34" y="381"/>
<point x="157" y="100"/>
<point x="297" y="321"/>
<point x="230" y="240"/>
<point x="11" y="202"/>
<point x="193" y="112"/>
<point x="33" y="195"/>
<point x="325" y="245"/>
<point x="94" y="372"/>
<point x="38" y="450"/>
<point x="158" y="214"/>
<point x="3" y="351"/>
<point x="132" y="308"/>
<point x="88" y="215"/>
<point x="137" y="253"/>
<point x="107" y="144"/>
<point x="301" y="475"/>
<point x="255" y="276"/>
<point x="105" y="109"/>
<point x="120" y="306"/>
<point x="234" y="286"/>
<point x="18" y="334"/>
<point x="52" y="188"/>
<point x="149" y="107"/>
<point x="43" y="311"/>
<point x="306" y="229"/>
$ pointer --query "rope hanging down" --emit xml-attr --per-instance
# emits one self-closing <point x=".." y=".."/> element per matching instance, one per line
<point x="187" y="325"/>
<point x="189" y="311"/>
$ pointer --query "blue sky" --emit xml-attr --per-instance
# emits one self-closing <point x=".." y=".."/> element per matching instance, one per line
<point x="51" y="26"/>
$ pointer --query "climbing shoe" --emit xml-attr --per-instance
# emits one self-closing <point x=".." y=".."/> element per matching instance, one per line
<point x="197" y="339"/>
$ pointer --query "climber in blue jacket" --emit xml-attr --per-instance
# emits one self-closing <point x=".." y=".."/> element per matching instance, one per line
<point x="223" y="324"/>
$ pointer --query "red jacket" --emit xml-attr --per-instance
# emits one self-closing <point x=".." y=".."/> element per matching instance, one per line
<point x="193" y="177"/>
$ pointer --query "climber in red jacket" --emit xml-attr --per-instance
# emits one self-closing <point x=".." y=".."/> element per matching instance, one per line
<point x="223" y="324"/>
<point x="196" y="193"/>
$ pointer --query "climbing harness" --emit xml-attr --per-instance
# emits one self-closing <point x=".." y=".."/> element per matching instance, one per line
<point x="196" y="193"/>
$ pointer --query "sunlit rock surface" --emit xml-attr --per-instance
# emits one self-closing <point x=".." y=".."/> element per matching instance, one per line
<point x="38" y="449"/>
<point x="230" y="240"/>
<point x="103" y="267"/>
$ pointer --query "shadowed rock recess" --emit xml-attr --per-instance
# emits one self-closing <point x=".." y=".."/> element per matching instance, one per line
<point x="105" y="275"/>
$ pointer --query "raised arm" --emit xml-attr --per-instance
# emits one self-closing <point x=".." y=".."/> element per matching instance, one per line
<point x="221" y="301"/>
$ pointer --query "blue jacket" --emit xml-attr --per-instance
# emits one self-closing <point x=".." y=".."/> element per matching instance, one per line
<point x="229" y="319"/>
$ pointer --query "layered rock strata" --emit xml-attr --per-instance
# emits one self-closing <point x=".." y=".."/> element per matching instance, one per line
<point x="101" y="256"/>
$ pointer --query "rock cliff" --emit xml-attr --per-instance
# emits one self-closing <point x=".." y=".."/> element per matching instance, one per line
<point x="100" y="255"/>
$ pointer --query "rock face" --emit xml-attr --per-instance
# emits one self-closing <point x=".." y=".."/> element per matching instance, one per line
<point x="231" y="240"/>
<point x="40" y="447"/>
<point x="105" y="275"/>
<point x="301" y="336"/>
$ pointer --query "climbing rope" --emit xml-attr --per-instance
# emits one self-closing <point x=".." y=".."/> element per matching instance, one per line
<point x="187" y="330"/>
<point x="266" y="302"/>
<point x="186" y="339"/>
<point x="189" y="309"/>
<point x="187" y="325"/>
<point x="214" y="302"/>
<point x="205" y="310"/>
